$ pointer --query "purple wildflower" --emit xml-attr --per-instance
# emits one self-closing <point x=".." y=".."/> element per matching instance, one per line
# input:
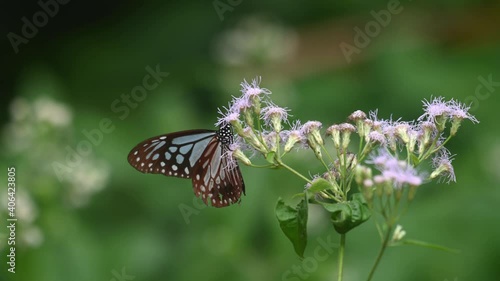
<point x="377" y="137"/>
<point x="442" y="165"/>
<point x="252" y="90"/>
<point x="437" y="107"/>
<point x="293" y="136"/>
<point x="357" y="116"/>
<point x="311" y="130"/>
<point x="240" y="104"/>
<point x="311" y="126"/>
<point x="274" y="115"/>
<point x="228" y="118"/>
<point x="398" y="172"/>
<point x="461" y="111"/>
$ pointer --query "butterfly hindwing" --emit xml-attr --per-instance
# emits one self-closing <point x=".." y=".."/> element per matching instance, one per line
<point x="172" y="154"/>
<point x="217" y="179"/>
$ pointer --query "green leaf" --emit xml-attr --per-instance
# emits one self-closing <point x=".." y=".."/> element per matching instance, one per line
<point x="414" y="159"/>
<point x="302" y="194"/>
<point x="270" y="157"/>
<point x="293" y="223"/>
<point x="319" y="184"/>
<point x="347" y="215"/>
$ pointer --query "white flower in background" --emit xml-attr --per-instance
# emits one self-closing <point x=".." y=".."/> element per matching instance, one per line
<point x="20" y="109"/>
<point x="26" y="210"/>
<point x="32" y="236"/>
<point x="22" y="132"/>
<point x="18" y="135"/>
<point x="26" y="213"/>
<point x="55" y="113"/>
<point x="89" y="178"/>
<point x="37" y="133"/>
<point x="255" y="40"/>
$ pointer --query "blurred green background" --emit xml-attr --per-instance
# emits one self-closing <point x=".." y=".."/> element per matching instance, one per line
<point x="104" y="218"/>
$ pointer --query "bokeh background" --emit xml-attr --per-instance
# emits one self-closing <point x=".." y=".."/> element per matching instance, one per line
<point x="104" y="218"/>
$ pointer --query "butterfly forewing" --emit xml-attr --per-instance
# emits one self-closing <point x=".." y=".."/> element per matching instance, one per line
<point x="217" y="178"/>
<point x="172" y="154"/>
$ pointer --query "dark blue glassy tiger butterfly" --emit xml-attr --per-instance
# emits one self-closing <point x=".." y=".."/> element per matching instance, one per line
<point x="199" y="155"/>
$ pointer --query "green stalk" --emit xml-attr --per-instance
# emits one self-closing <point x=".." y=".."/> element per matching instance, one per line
<point x="380" y="254"/>
<point x="341" y="256"/>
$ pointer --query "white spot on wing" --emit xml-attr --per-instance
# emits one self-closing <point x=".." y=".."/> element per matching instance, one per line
<point x="179" y="158"/>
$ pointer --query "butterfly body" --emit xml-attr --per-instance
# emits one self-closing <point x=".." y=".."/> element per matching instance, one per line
<point x="199" y="155"/>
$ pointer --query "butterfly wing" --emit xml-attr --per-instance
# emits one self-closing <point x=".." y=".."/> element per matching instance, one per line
<point x="217" y="179"/>
<point x="174" y="154"/>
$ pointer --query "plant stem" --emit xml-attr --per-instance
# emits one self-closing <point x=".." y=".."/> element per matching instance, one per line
<point x="341" y="256"/>
<point x="293" y="171"/>
<point x="380" y="253"/>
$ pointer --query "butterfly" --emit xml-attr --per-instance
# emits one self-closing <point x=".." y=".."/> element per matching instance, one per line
<point x="200" y="155"/>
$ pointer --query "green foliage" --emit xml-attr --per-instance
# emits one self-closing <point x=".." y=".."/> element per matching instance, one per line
<point x="293" y="223"/>
<point x="318" y="185"/>
<point x="347" y="215"/>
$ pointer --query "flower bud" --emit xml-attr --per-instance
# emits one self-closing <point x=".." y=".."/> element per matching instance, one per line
<point x="252" y="139"/>
<point x="455" y="124"/>
<point x="311" y="130"/>
<point x="398" y="234"/>
<point x="238" y="154"/>
<point x="271" y="139"/>
<point x="366" y="129"/>
<point x="358" y="117"/>
<point x="402" y="132"/>
<point x="249" y="118"/>
<point x="425" y="139"/>
<point x="274" y="115"/>
<point x="440" y="122"/>
<point x="334" y="131"/>
<point x="346" y="130"/>
<point x="294" y="137"/>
